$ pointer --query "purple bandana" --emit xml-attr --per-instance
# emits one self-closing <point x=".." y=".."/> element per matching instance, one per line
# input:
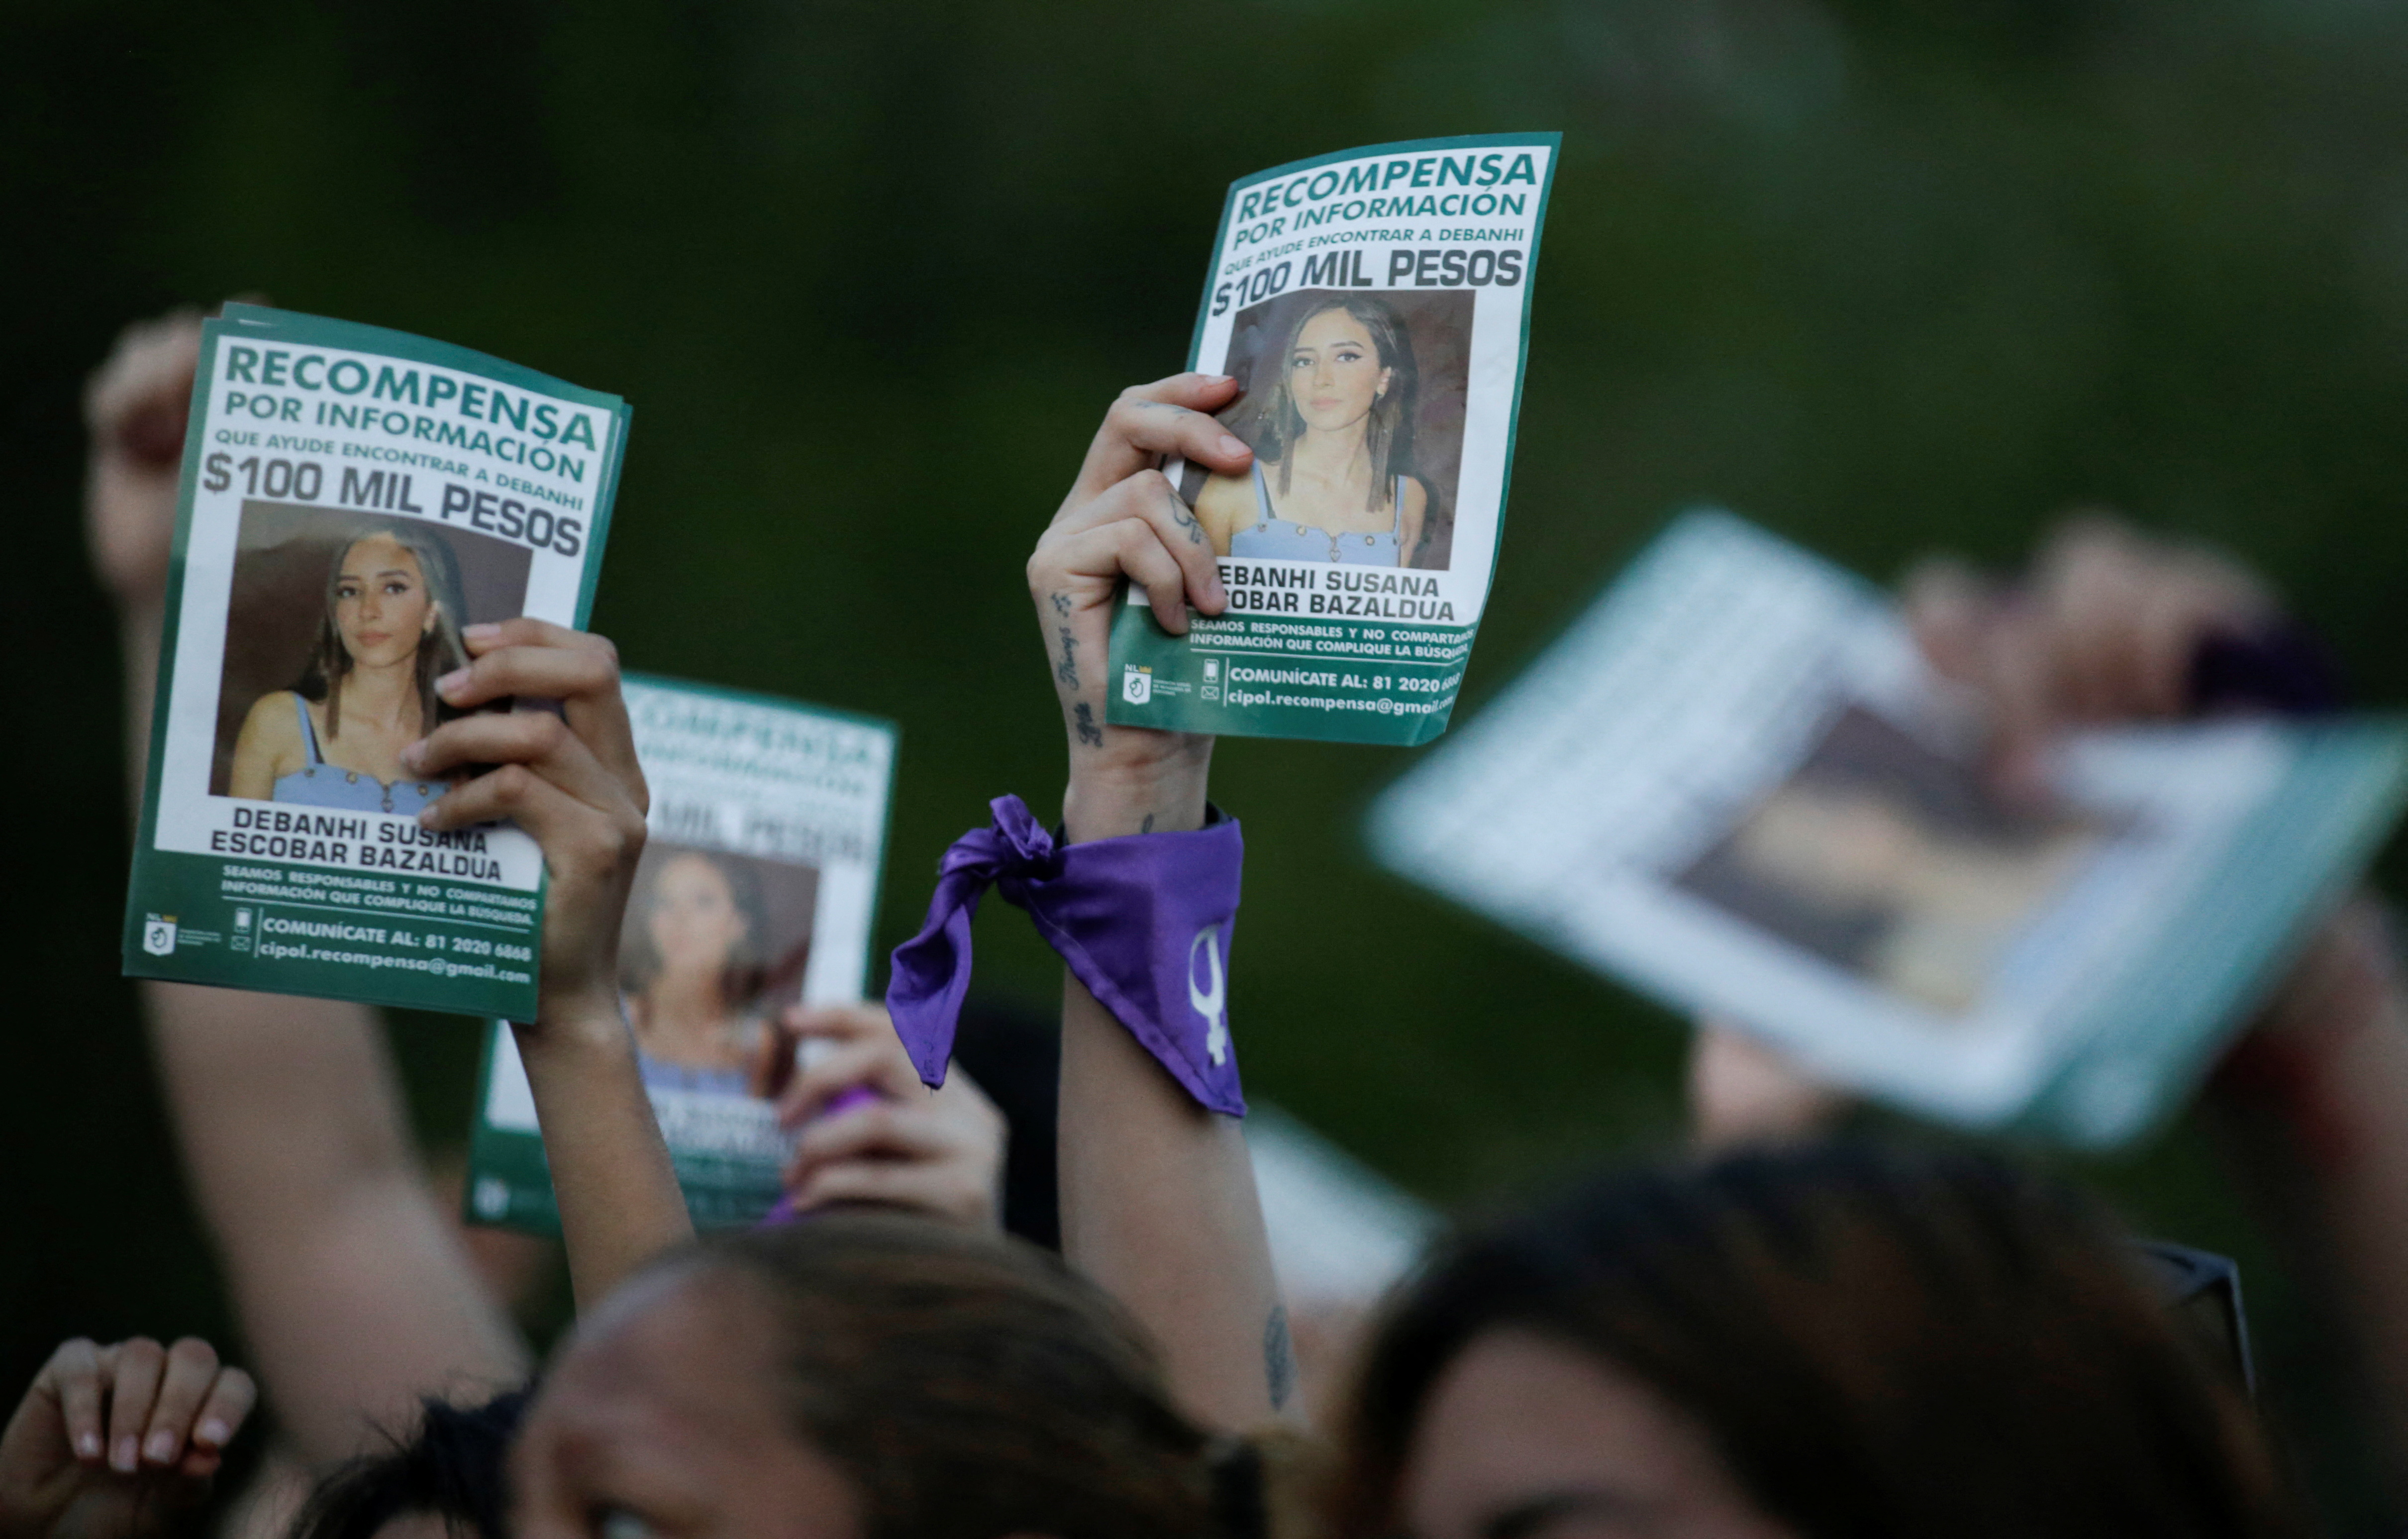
<point x="1143" y="921"/>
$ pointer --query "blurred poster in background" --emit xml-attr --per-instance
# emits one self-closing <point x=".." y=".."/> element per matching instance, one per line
<point x="757" y="890"/>
<point x="1735" y="785"/>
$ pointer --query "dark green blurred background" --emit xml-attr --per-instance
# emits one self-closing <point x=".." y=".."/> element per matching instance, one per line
<point x="1886" y="275"/>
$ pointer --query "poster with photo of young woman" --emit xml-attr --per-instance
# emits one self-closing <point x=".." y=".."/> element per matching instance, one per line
<point x="352" y="502"/>
<point x="1373" y="308"/>
<point x="756" y="891"/>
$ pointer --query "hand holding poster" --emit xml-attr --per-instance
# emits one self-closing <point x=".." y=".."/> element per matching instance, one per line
<point x="353" y="501"/>
<point x="757" y="889"/>
<point x="1735" y="783"/>
<point x="1375" y="305"/>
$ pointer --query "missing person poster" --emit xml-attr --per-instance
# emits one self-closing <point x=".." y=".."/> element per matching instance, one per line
<point x="353" y="499"/>
<point x="1735" y="785"/>
<point x="1376" y="304"/>
<point x="757" y="889"/>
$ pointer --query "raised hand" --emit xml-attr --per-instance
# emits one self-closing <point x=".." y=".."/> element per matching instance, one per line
<point x="935" y="1152"/>
<point x="1122" y="521"/>
<point x="2102" y="630"/>
<point x="113" y="1441"/>
<point x="1158" y="1194"/>
<point x="136" y="408"/>
<point x="571" y="779"/>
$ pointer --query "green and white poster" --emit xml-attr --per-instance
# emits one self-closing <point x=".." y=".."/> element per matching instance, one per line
<point x="758" y="888"/>
<point x="353" y="499"/>
<point x="1376" y="305"/>
<point x="1736" y="784"/>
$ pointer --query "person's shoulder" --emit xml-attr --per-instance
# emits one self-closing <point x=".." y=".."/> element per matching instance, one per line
<point x="1223" y="488"/>
<point x="1227" y="501"/>
<point x="280" y="704"/>
<point x="1416" y="492"/>
<point x="271" y="721"/>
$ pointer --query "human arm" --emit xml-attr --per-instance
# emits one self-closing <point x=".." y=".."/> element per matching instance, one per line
<point x="1412" y="519"/>
<point x="2314" y="1098"/>
<point x="113" y="1441"/>
<point x="571" y="780"/>
<point x="1743" y="1091"/>
<point x="1157" y="1195"/>
<point x="2311" y="1105"/>
<point x="268" y="748"/>
<point x="934" y="1152"/>
<point x="352" y="1288"/>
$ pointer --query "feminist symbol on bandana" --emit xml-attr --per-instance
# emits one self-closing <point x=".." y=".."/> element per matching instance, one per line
<point x="1211" y="1001"/>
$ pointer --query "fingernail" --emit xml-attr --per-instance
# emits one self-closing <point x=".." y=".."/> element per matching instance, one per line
<point x="1218" y="379"/>
<point x="125" y="1454"/>
<point x="161" y="1449"/>
<point x="483" y="631"/>
<point x="88" y="1445"/>
<point x="426" y="817"/>
<point x="1232" y="444"/>
<point x="412" y="754"/>
<point x="452" y="680"/>
<point x="213" y="1433"/>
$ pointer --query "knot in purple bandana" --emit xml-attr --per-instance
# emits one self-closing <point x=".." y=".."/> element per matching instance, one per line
<point x="1143" y="921"/>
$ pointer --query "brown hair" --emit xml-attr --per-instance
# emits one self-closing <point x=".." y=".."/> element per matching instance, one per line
<point x="1388" y="434"/>
<point x="1878" y="1342"/>
<point x="451" y="1466"/>
<point x="972" y="1387"/>
<point x="439" y="651"/>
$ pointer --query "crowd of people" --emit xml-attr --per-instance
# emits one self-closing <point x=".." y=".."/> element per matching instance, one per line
<point x="1790" y="1329"/>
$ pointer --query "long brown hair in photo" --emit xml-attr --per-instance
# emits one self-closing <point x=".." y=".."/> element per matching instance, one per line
<point x="1389" y="433"/>
<point x="438" y="652"/>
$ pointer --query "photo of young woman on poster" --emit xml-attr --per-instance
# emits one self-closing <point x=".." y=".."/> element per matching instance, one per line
<point x="1334" y="476"/>
<point x="391" y="627"/>
<point x="1896" y="863"/>
<point x="699" y="951"/>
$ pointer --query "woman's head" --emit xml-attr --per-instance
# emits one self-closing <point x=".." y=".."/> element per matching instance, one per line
<point x="1348" y="360"/>
<point x="392" y="600"/>
<point x="863" y="1378"/>
<point x="699" y="915"/>
<point x="1841" y="1340"/>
